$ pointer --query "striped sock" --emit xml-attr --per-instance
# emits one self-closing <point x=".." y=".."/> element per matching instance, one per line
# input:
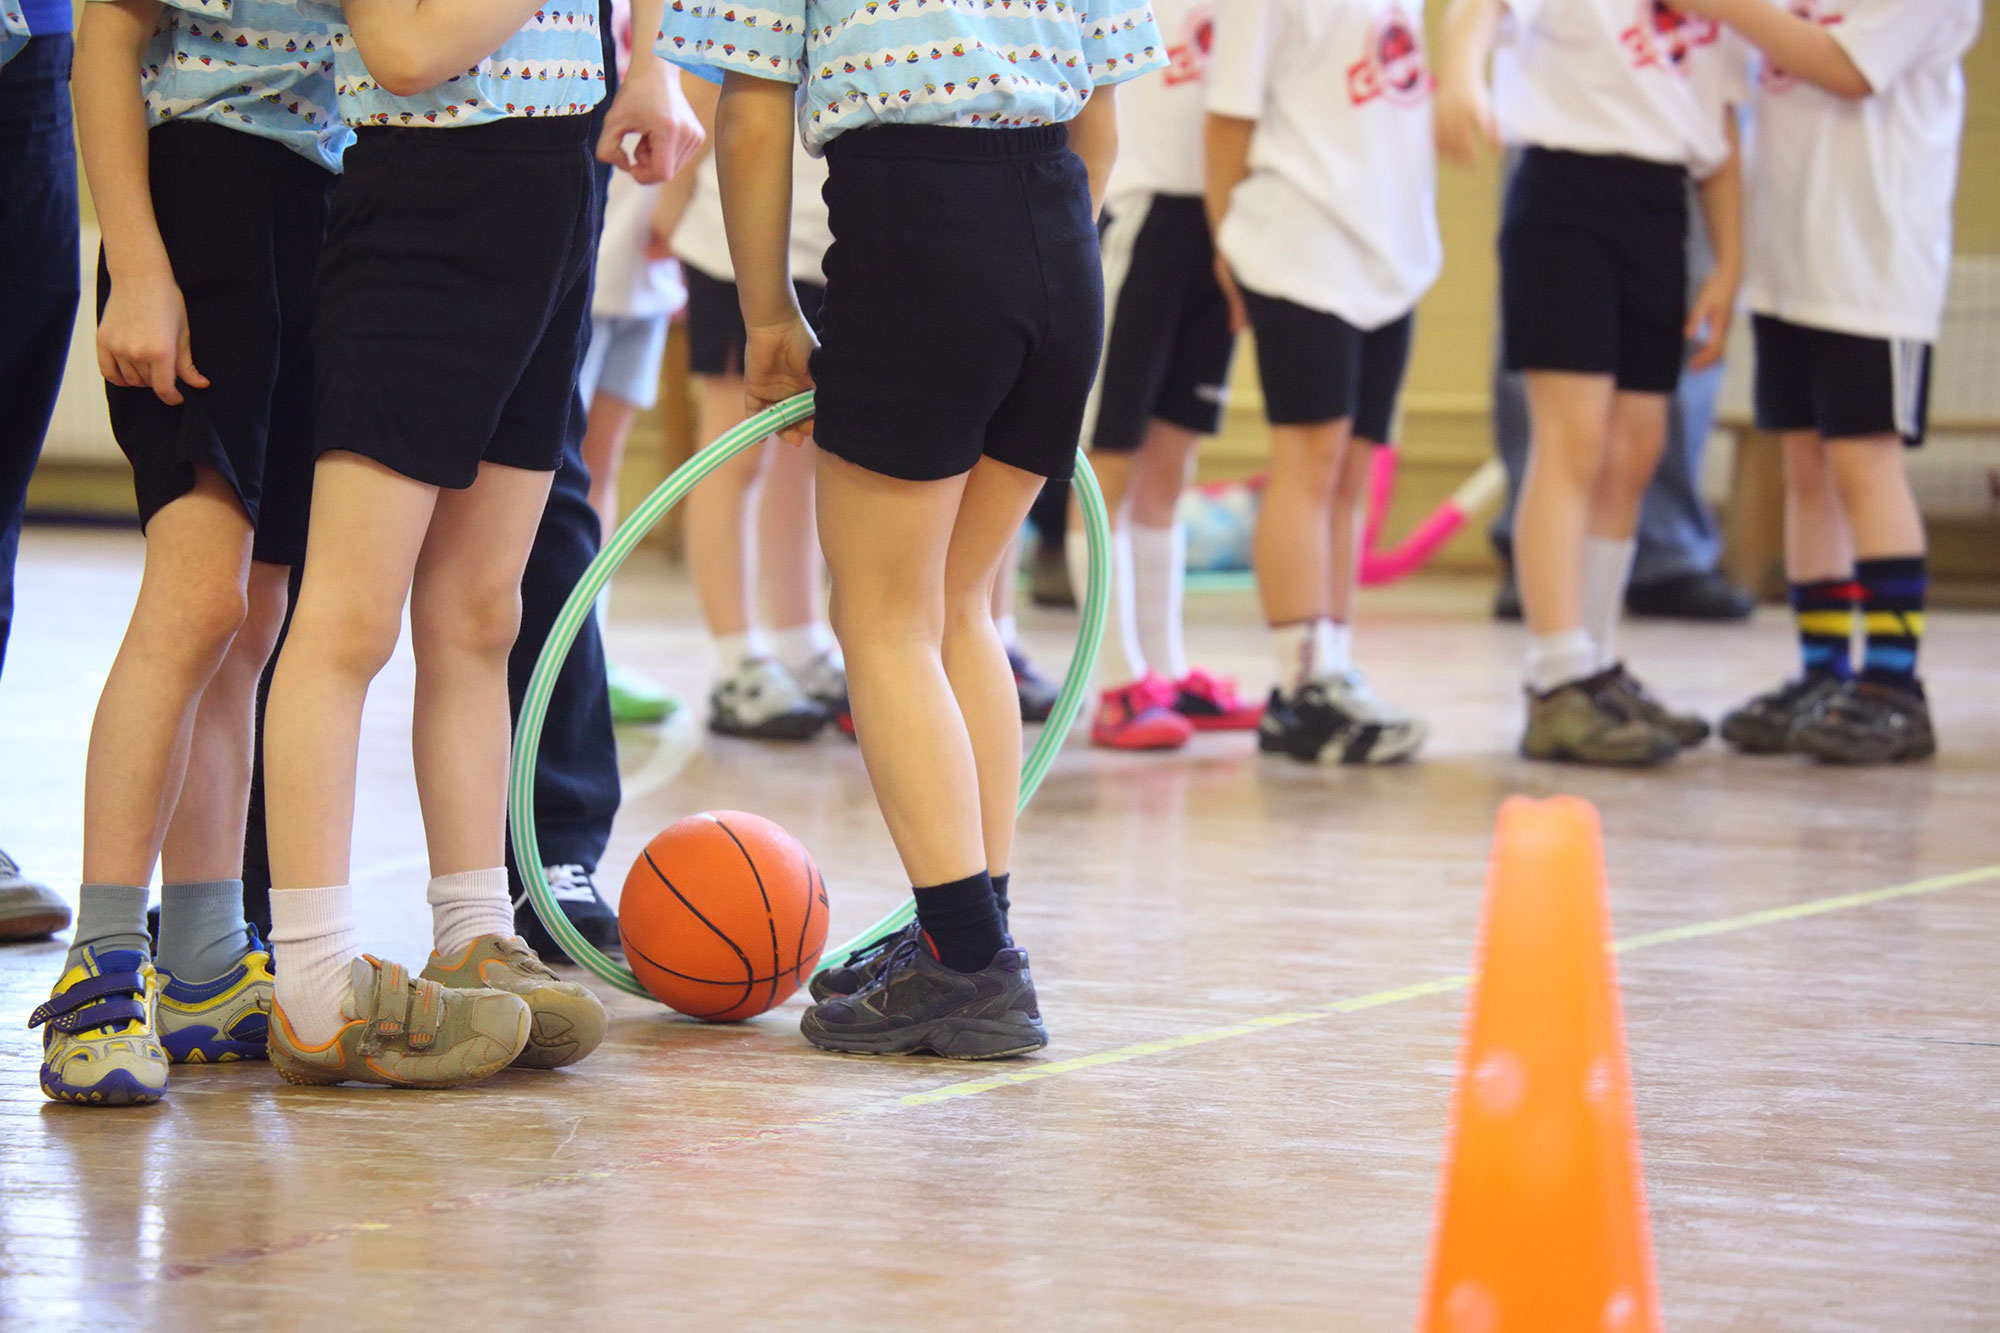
<point x="1824" y="610"/>
<point x="1892" y="605"/>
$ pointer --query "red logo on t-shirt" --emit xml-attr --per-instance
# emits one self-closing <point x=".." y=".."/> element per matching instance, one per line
<point x="1187" y="59"/>
<point x="1393" y="68"/>
<point x="1664" y="37"/>
<point x="1776" y="80"/>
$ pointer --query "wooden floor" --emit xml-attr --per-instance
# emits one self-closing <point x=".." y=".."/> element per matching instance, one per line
<point x="1818" y="1092"/>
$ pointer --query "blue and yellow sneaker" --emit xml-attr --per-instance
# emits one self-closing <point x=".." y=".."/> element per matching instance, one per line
<point x="98" y="1046"/>
<point x="228" y="1018"/>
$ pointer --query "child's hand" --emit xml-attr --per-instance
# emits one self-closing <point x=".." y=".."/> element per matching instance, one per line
<point x="777" y="364"/>
<point x="1239" y="318"/>
<point x="1709" y="318"/>
<point x="142" y="338"/>
<point x="1462" y="121"/>
<point x="650" y="104"/>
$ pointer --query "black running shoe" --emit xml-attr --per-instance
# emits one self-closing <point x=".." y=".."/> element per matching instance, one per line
<point x="1866" y="722"/>
<point x="856" y="970"/>
<point x="1340" y="720"/>
<point x="1038" y="693"/>
<point x="1764" y="725"/>
<point x="1687" y="729"/>
<point x="576" y="893"/>
<point x="916" y="1003"/>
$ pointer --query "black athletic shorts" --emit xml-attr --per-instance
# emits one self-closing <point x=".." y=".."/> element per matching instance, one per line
<point x="964" y="300"/>
<point x="1315" y="367"/>
<point x="1593" y="268"/>
<point x="1167" y="342"/>
<point x="242" y="218"/>
<point x="453" y="302"/>
<point x="1843" y="385"/>
<point x="715" y="320"/>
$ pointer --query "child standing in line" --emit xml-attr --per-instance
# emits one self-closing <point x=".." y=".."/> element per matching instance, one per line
<point x="447" y="337"/>
<point x="212" y="162"/>
<point x="1615" y="105"/>
<point x="1323" y="194"/>
<point x="788" y="681"/>
<point x="1860" y="109"/>
<point x="1161" y="387"/>
<point x="966" y="153"/>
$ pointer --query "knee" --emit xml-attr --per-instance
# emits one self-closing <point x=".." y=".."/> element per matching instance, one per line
<point x="481" y="623"/>
<point x="208" y="615"/>
<point x="862" y="623"/>
<point x="343" y="632"/>
<point x="1352" y="482"/>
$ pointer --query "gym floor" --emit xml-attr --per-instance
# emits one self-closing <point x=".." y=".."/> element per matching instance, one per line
<point x="1252" y="974"/>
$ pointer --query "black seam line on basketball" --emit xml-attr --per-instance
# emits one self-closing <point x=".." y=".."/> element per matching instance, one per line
<point x="748" y="970"/>
<point x="770" y="921"/>
<point x="374" y="1226"/>
<point x="814" y="888"/>
<point x="706" y="1015"/>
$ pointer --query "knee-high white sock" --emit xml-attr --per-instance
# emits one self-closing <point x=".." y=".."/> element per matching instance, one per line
<point x="1557" y="659"/>
<point x="1124" y="658"/>
<point x="312" y="945"/>
<point x="1159" y="582"/>
<point x="1333" y="649"/>
<point x="467" y="905"/>
<point x="1607" y="565"/>
<point x="1292" y="650"/>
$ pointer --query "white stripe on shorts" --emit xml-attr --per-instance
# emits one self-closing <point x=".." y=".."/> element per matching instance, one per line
<point x="1121" y="238"/>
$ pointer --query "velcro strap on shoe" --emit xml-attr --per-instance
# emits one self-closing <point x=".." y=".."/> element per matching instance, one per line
<point x="389" y="1006"/>
<point x="105" y="1013"/>
<point x="85" y="992"/>
<point x="427" y="1000"/>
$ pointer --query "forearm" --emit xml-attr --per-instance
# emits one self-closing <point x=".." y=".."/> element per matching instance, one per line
<point x="1093" y="136"/>
<point x="678" y="192"/>
<point x="1466" y="40"/>
<point x="754" y="129"/>
<point x="1721" y="197"/>
<point x="647" y="16"/>
<point x="410" y="46"/>
<point x="111" y="126"/>
<point x="1228" y="162"/>
<point x="1801" y="47"/>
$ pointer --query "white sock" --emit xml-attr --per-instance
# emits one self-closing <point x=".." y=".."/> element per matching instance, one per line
<point x="467" y="905"/>
<point x="1558" y="659"/>
<point x="1292" y="647"/>
<point x="1333" y="649"/>
<point x="1159" y="581"/>
<point x="1607" y="565"/>
<point x="1123" y="660"/>
<point x="1009" y="626"/>
<point x="733" y="650"/>
<point x="800" y="645"/>
<point x="312" y="945"/>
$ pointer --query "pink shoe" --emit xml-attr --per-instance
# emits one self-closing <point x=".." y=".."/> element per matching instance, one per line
<point x="1210" y="703"/>
<point x="1140" y="716"/>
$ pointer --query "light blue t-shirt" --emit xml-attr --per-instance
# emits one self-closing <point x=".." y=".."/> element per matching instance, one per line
<point x="264" y="67"/>
<point x="554" y="66"/>
<point x="979" y="63"/>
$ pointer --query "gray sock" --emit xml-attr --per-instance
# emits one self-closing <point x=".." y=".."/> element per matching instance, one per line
<point x="109" y="916"/>
<point x="202" y="928"/>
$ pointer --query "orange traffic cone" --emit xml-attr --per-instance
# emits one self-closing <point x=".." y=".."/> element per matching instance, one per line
<point x="1541" y="1219"/>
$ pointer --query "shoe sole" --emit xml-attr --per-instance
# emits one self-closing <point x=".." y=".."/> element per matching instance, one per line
<point x="1834" y="752"/>
<point x="118" y="1088"/>
<point x="1138" y="747"/>
<point x="1753" y="739"/>
<point x="1558" y="754"/>
<point x="561" y="1031"/>
<point x="1241" y="722"/>
<point x="777" y="729"/>
<point x="33" y="925"/>
<point x="307" y="1075"/>
<point x="203" y="1045"/>
<point x="950" y="1038"/>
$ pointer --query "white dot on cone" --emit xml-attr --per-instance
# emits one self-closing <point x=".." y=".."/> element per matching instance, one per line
<point x="1621" y="1313"/>
<point x="1471" y="1307"/>
<point x="1499" y="1083"/>
<point x="1597" y="1082"/>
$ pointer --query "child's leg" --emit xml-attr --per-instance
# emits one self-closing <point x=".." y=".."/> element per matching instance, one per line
<point x="1344" y="538"/>
<point x="1123" y="656"/>
<point x="1291" y="550"/>
<point x="990" y="513"/>
<point x="1819" y="558"/>
<point x="1570" y="416"/>
<point x="607" y="428"/>
<point x="789" y="567"/>
<point x="1164" y="468"/>
<point x="718" y="551"/>
<point x="1890" y="550"/>
<point x="1634" y="443"/>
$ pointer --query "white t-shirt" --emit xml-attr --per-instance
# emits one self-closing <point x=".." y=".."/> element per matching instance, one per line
<point x="1849" y="202"/>
<point x="1161" y="116"/>
<point x="1339" y="211"/>
<point x="701" y="241"/>
<point x="1630" y="77"/>
<point x="628" y="283"/>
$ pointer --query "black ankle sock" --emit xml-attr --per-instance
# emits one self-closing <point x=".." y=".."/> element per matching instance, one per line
<point x="1000" y="900"/>
<point x="962" y="922"/>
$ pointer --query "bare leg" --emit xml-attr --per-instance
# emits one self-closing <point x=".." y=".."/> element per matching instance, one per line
<point x="886" y="543"/>
<point x="605" y="432"/>
<point x="718" y="548"/>
<point x="1291" y="550"/>
<point x="1818" y="543"/>
<point x="204" y="840"/>
<point x="1571" y="416"/>
<point x="789" y="566"/>
<point x="368" y="525"/>
<point x="1874" y="488"/>
<point x="1634" y="443"/>
<point x="1347" y="530"/>
<point x="190" y="607"/>
<point x="465" y="610"/>
<point x="1162" y="469"/>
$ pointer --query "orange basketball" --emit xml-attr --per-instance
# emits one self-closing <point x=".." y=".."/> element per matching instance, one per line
<point x="723" y="916"/>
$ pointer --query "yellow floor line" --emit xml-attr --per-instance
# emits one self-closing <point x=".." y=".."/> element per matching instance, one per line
<point x="1444" y="985"/>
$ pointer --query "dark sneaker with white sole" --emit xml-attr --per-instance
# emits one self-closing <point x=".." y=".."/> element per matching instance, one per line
<point x="1338" y="720"/>
<point x="1687" y="729"/>
<point x="915" y="1003"/>
<point x="1866" y="722"/>
<point x="1037" y="692"/>
<point x="761" y="701"/>
<point x="576" y="893"/>
<point x="1764" y="725"/>
<point x="860" y="966"/>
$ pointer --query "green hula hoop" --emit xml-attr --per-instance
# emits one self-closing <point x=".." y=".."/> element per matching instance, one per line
<point x="580" y="606"/>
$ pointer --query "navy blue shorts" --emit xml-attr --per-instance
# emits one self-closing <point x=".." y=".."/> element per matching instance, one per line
<point x="964" y="301"/>
<point x="1315" y="367"/>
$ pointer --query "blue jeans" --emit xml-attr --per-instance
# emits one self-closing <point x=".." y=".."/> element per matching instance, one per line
<point x="38" y="275"/>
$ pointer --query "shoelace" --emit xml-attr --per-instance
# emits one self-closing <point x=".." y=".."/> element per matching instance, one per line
<point x="516" y="951"/>
<point x="904" y="952"/>
<point x="877" y="947"/>
<point x="571" y="883"/>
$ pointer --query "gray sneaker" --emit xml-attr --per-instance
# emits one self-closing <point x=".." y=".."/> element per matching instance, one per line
<point x="1688" y="729"/>
<point x="1866" y="722"/>
<point x="915" y="1003"/>
<point x="28" y="910"/>
<point x="861" y="966"/>
<point x="1592" y="721"/>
